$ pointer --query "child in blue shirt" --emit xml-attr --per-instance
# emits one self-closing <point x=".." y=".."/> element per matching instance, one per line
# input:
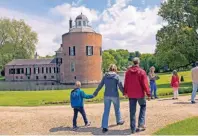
<point x="77" y="103"/>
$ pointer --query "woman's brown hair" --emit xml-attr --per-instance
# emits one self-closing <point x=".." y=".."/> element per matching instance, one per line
<point x="113" y="68"/>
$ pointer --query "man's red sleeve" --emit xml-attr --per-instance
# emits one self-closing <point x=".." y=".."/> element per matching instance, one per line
<point x="125" y="83"/>
<point x="146" y="85"/>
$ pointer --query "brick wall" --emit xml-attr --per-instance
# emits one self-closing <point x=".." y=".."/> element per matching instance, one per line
<point x="88" y="69"/>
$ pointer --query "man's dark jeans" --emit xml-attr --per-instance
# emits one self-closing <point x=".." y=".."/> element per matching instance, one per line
<point x="82" y="111"/>
<point x="132" y="106"/>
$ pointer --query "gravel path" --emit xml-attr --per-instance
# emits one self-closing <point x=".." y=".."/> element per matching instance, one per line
<point x="58" y="119"/>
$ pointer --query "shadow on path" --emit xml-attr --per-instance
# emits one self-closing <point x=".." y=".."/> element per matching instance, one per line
<point x="182" y="103"/>
<point x="168" y="99"/>
<point x="93" y="130"/>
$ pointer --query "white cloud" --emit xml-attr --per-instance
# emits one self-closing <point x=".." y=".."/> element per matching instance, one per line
<point x="50" y="31"/>
<point x="127" y="27"/>
<point x="66" y="11"/>
<point x="122" y="25"/>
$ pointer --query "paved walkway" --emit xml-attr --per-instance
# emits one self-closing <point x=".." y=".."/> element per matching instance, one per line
<point x="58" y="119"/>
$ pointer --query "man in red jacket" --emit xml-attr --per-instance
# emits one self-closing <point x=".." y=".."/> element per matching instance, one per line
<point x="135" y="88"/>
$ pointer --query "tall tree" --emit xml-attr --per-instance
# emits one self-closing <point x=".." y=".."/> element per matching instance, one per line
<point x="107" y="59"/>
<point x="17" y="40"/>
<point x="177" y="42"/>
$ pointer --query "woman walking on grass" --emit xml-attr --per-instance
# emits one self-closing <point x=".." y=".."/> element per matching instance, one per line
<point x="153" y="77"/>
<point x="175" y="84"/>
<point x="111" y="95"/>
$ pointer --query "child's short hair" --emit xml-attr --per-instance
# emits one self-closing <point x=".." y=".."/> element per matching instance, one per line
<point x="78" y="84"/>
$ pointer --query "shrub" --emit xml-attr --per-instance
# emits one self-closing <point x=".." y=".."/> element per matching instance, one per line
<point x="182" y="79"/>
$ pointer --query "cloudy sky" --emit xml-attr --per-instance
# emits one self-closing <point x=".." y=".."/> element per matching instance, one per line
<point x="124" y="24"/>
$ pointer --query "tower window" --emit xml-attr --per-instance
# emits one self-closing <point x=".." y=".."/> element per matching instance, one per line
<point x="79" y="23"/>
<point x="45" y="77"/>
<point x="100" y="51"/>
<point x="72" y="51"/>
<point x="84" y="23"/>
<point x="72" y="67"/>
<point x="89" y="50"/>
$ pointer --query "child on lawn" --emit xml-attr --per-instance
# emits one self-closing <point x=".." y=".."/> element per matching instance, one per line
<point x="175" y="84"/>
<point x="77" y="103"/>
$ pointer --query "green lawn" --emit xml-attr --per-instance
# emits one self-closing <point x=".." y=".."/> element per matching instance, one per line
<point x="163" y="83"/>
<point x="185" y="127"/>
<point x="37" y="98"/>
<point x="2" y="78"/>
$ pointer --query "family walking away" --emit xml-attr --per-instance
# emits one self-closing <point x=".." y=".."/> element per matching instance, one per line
<point x="77" y="103"/>
<point x="111" y="81"/>
<point x="136" y="88"/>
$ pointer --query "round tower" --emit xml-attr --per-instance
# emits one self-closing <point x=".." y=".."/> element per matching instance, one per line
<point x="82" y="53"/>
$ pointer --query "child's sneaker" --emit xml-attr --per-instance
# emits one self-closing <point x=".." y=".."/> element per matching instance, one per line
<point x="75" y="128"/>
<point x="120" y="123"/>
<point x="88" y="124"/>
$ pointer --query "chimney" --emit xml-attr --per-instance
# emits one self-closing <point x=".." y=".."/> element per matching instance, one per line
<point x="70" y="23"/>
<point x="36" y="56"/>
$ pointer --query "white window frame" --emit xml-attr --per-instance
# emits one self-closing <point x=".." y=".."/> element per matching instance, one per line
<point x="72" y="67"/>
<point x="89" y="51"/>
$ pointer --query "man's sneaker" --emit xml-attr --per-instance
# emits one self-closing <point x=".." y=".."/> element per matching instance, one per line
<point x="133" y="131"/>
<point x="75" y="128"/>
<point x="88" y="124"/>
<point x="141" y="128"/>
<point x="120" y="123"/>
<point x="152" y="98"/>
<point x="193" y="102"/>
<point x="156" y="98"/>
<point x="104" y="130"/>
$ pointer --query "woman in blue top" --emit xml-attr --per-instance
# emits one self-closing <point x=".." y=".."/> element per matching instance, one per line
<point x="112" y="82"/>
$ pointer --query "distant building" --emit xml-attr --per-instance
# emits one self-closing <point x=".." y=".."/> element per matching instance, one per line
<point x="78" y="58"/>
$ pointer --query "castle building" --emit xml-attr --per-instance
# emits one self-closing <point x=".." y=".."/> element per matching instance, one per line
<point x="78" y="58"/>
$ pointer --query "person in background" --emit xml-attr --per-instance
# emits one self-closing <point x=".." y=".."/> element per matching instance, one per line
<point x="195" y="82"/>
<point x="111" y="81"/>
<point x="175" y="84"/>
<point x="153" y="86"/>
<point x="77" y="103"/>
<point x="135" y="88"/>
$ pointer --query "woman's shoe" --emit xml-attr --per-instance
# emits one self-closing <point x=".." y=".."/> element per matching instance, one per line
<point x="75" y="128"/>
<point x="104" y="130"/>
<point x="120" y="123"/>
<point x="88" y="124"/>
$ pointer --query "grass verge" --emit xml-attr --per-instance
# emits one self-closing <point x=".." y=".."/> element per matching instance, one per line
<point x="185" y="127"/>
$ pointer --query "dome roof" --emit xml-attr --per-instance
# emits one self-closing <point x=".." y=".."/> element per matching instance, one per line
<point x="82" y="17"/>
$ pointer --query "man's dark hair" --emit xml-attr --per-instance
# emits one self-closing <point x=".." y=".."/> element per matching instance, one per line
<point x="136" y="61"/>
